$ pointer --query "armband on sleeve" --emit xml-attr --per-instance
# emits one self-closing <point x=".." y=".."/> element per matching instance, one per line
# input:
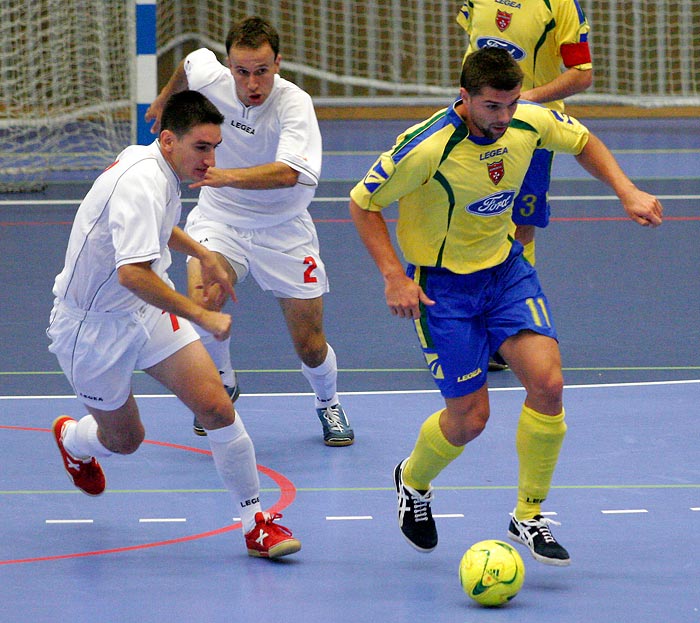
<point x="575" y="53"/>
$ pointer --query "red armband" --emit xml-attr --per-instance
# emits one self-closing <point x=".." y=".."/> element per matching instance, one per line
<point x="575" y="53"/>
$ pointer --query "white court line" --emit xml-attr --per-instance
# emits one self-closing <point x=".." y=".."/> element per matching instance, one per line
<point x="347" y="517"/>
<point x="163" y="520"/>
<point x="382" y="392"/>
<point x="449" y="516"/>
<point x="625" y="511"/>
<point x="60" y="521"/>
<point x="695" y="508"/>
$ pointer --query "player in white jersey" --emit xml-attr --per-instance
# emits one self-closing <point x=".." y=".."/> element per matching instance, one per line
<point x="253" y="207"/>
<point x="116" y="311"/>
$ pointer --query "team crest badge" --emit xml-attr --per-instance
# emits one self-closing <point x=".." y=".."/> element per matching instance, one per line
<point x="503" y="19"/>
<point x="496" y="171"/>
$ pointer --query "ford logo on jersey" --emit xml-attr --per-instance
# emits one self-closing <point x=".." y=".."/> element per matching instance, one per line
<point x="493" y="204"/>
<point x="494" y="42"/>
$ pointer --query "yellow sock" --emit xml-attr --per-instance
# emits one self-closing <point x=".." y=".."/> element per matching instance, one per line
<point x="431" y="454"/>
<point x="529" y="252"/>
<point x="538" y="441"/>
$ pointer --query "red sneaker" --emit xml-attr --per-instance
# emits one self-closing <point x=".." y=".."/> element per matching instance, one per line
<point x="270" y="540"/>
<point x="86" y="474"/>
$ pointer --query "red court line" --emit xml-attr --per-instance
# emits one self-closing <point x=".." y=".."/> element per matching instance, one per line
<point x="287" y="495"/>
<point x="565" y="219"/>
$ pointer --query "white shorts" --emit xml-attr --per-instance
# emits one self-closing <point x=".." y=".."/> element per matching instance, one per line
<point x="98" y="352"/>
<point x="283" y="259"/>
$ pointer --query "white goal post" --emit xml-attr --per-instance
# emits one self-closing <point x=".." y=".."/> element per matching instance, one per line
<point x="76" y="76"/>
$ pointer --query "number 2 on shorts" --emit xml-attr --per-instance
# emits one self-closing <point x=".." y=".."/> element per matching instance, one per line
<point x="310" y="268"/>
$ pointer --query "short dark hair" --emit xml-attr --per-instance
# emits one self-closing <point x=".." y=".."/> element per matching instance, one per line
<point x="253" y="32"/>
<point x="490" y="67"/>
<point x="187" y="109"/>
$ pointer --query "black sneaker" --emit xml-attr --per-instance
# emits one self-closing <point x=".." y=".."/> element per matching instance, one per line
<point x="233" y="392"/>
<point x="497" y="363"/>
<point x="415" y="518"/>
<point x="535" y="535"/>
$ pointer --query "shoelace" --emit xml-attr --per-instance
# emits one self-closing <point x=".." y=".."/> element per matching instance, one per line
<point x="334" y="420"/>
<point x="271" y="517"/>
<point x="542" y="526"/>
<point x="421" y="503"/>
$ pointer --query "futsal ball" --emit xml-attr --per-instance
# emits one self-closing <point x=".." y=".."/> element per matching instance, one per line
<point x="491" y="572"/>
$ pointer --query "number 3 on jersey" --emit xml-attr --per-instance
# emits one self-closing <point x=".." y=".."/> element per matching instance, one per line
<point x="311" y="266"/>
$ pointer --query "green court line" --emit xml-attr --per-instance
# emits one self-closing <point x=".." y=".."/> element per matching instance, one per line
<point x="382" y="370"/>
<point x="366" y="489"/>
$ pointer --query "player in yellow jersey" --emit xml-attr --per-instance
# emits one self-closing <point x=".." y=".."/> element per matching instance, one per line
<point x="549" y="39"/>
<point x="467" y="288"/>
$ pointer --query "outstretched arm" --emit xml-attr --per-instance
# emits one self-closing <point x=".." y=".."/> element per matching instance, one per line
<point x="640" y="206"/>
<point x="261" y="177"/>
<point x="403" y="295"/>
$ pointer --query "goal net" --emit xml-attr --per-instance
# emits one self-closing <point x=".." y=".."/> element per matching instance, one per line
<point x="645" y="52"/>
<point x="67" y="84"/>
<point x="65" y="88"/>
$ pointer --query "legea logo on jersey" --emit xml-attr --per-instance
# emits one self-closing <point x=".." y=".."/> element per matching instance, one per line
<point x="493" y="204"/>
<point x="494" y="42"/>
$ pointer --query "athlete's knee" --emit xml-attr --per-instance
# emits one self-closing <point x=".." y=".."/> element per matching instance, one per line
<point x="546" y="395"/>
<point x="312" y="348"/>
<point x="462" y="424"/>
<point x="125" y="441"/>
<point x="215" y="410"/>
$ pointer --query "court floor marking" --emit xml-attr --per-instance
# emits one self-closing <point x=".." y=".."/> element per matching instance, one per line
<point x="386" y="392"/>
<point x="165" y="520"/>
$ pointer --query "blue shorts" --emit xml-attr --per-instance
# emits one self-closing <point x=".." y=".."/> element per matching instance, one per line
<point x="531" y="206"/>
<point x="472" y="316"/>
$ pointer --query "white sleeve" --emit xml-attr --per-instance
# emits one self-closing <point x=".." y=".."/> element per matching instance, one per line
<point x="300" y="144"/>
<point x="202" y="68"/>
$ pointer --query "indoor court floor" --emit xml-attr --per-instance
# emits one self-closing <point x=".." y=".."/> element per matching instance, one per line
<point x="164" y="543"/>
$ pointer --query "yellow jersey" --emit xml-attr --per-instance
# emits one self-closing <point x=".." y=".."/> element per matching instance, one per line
<point x="542" y="35"/>
<point x="455" y="191"/>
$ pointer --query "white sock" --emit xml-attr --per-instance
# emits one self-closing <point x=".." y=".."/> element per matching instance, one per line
<point x="81" y="439"/>
<point x="323" y="380"/>
<point x="220" y="352"/>
<point x="234" y="457"/>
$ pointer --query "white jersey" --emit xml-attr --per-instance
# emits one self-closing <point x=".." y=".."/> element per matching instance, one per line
<point x="127" y="217"/>
<point x="282" y="129"/>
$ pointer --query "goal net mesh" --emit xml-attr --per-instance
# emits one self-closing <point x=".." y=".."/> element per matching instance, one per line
<point x="645" y="52"/>
<point x="67" y="81"/>
<point x="65" y="87"/>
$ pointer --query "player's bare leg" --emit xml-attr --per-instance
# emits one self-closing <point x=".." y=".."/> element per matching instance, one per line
<point x="304" y="318"/>
<point x="192" y="376"/>
<point x="220" y="351"/>
<point x="536" y="361"/>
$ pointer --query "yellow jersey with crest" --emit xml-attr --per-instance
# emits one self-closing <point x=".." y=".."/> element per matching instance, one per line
<point x="542" y="35"/>
<point x="455" y="191"/>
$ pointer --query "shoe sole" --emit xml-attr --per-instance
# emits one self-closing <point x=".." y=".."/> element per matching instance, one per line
<point x="285" y="548"/>
<point x="554" y="562"/>
<point x="497" y="367"/>
<point x="59" y="444"/>
<point x="397" y="486"/>
<point x="338" y="443"/>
